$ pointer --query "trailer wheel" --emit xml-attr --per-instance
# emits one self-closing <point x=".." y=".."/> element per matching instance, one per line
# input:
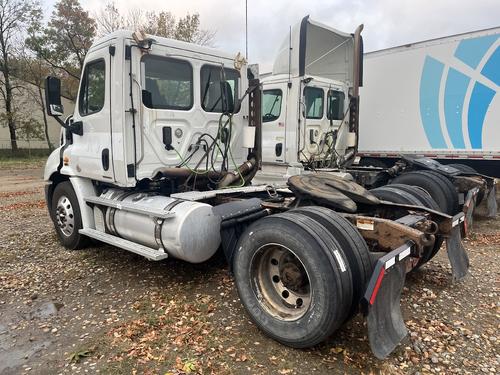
<point x="353" y="244"/>
<point x="438" y="186"/>
<point x="468" y="169"/>
<point x="65" y="213"/>
<point x="290" y="281"/>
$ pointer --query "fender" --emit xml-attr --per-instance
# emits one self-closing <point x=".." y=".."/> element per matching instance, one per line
<point x="84" y="188"/>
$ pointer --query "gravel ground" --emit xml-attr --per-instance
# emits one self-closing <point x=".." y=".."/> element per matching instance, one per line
<point x="103" y="310"/>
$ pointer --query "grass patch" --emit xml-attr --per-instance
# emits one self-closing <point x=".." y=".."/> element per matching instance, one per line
<point x="23" y="158"/>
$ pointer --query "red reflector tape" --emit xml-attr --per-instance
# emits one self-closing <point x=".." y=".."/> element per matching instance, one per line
<point x="377" y="285"/>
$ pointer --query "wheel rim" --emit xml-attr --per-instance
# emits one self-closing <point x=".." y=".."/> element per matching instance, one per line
<point x="65" y="218"/>
<point x="280" y="282"/>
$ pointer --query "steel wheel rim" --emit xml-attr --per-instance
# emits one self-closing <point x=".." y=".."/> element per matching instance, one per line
<point x="65" y="217"/>
<point x="280" y="282"/>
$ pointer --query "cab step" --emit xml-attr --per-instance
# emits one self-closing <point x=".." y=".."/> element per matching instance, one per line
<point x="131" y="207"/>
<point x="147" y="252"/>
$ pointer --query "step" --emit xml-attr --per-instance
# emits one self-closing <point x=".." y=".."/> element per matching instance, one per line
<point x="147" y="252"/>
<point x="131" y="207"/>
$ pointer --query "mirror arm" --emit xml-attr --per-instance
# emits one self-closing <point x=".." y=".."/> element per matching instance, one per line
<point x="76" y="127"/>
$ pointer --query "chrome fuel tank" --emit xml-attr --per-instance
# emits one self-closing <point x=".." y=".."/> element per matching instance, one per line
<point x="192" y="233"/>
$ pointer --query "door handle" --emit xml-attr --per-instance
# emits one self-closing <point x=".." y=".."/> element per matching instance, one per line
<point x="105" y="159"/>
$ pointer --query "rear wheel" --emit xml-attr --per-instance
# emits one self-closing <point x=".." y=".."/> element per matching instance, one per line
<point x="66" y="216"/>
<point x="290" y="281"/>
<point x="438" y="186"/>
<point x="352" y="243"/>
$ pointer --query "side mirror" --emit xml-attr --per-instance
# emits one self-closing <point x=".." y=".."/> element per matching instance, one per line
<point x="53" y="96"/>
<point x="227" y="97"/>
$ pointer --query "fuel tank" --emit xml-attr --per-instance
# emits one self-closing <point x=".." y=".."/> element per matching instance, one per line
<point x="192" y="233"/>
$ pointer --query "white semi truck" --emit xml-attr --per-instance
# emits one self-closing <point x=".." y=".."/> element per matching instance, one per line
<point x="159" y="159"/>
<point x="436" y="98"/>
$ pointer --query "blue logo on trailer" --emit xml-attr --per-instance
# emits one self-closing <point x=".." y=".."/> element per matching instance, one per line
<point x="458" y="81"/>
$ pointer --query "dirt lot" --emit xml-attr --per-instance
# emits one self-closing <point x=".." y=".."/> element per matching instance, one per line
<point x="108" y="311"/>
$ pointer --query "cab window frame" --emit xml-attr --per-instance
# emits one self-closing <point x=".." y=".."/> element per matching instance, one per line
<point x="168" y="107"/>
<point x="236" y="89"/>
<point x="311" y="88"/>
<point x="84" y="88"/>
<point x="280" y="107"/>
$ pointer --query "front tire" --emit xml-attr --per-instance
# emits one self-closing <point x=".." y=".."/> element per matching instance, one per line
<point x="67" y="218"/>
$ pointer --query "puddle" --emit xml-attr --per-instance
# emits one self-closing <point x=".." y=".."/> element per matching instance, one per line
<point x="46" y="310"/>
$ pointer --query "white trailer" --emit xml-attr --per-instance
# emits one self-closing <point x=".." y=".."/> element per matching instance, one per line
<point x="435" y="98"/>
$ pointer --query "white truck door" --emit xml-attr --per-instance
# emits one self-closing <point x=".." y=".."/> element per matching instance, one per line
<point x="273" y="124"/>
<point x="90" y="153"/>
<point x="314" y="121"/>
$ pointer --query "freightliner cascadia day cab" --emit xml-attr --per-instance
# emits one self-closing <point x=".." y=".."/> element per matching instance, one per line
<point x="159" y="159"/>
<point x="436" y="98"/>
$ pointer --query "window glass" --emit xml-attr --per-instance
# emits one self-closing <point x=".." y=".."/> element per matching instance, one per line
<point x="168" y="83"/>
<point x="271" y="105"/>
<point x="314" y="102"/>
<point x="335" y="105"/>
<point x="211" y="77"/>
<point x="92" y="89"/>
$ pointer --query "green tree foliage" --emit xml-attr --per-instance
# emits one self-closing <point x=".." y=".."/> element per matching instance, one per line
<point x="64" y="42"/>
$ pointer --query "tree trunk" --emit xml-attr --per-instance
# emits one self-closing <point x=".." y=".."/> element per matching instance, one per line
<point x="8" y="109"/>
<point x="45" y="122"/>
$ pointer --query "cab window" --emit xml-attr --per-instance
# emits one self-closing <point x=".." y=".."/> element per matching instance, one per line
<point x="211" y="78"/>
<point x="314" y="102"/>
<point x="271" y="105"/>
<point x="168" y="83"/>
<point x="92" y="90"/>
<point x="335" y="107"/>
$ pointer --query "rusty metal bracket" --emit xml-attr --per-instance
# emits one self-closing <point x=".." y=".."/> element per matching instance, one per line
<point x="390" y="234"/>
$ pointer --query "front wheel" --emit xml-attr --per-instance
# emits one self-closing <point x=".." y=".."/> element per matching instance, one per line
<point x="66" y="216"/>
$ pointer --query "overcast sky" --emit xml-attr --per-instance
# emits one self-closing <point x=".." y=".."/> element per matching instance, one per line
<point x="387" y="23"/>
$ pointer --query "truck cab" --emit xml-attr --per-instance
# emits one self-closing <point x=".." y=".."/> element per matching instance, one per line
<point x="144" y="106"/>
<point x="309" y="99"/>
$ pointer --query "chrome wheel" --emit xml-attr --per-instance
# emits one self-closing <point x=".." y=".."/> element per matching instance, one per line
<point x="280" y="282"/>
<point x="65" y="217"/>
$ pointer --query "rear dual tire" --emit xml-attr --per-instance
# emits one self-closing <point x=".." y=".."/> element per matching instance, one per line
<point x="286" y="257"/>
<point x="439" y="187"/>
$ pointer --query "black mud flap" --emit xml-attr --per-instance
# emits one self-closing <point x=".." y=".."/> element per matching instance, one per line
<point x="459" y="260"/>
<point x="386" y="327"/>
<point x="491" y="202"/>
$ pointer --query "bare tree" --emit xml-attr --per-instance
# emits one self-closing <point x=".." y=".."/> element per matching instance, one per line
<point x="15" y="17"/>
<point x="162" y="23"/>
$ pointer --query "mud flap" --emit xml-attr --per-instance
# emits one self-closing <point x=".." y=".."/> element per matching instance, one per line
<point x="386" y="327"/>
<point x="491" y="202"/>
<point x="468" y="210"/>
<point x="459" y="260"/>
